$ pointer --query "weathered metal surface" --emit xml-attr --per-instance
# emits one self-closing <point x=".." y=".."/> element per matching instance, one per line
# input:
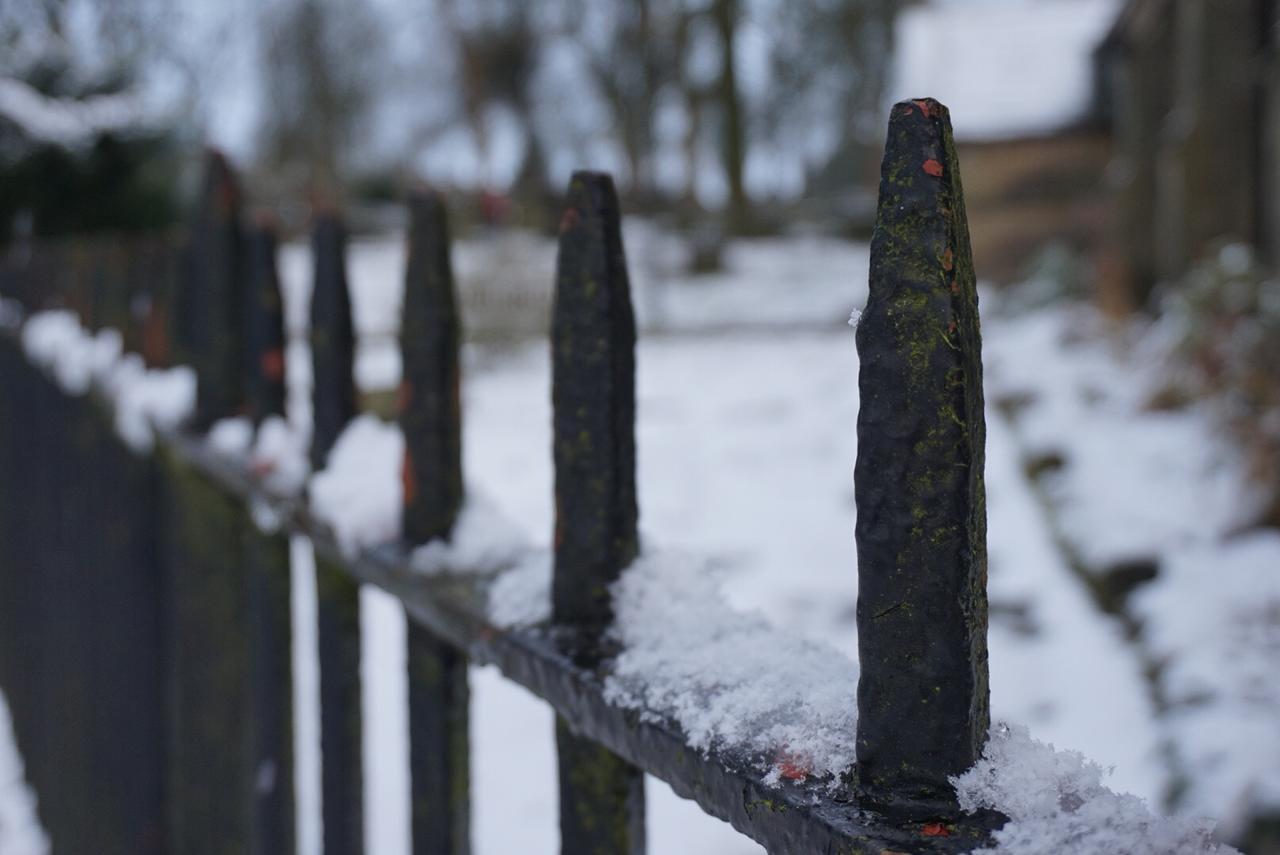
<point x="209" y="749"/>
<point x="333" y="344"/>
<point x="921" y="530"/>
<point x="430" y="408"/>
<point x="430" y="416"/>
<point x="79" y="616"/>
<point x="209" y="303"/>
<point x="593" y="338"/>
<point x="601" y="797"/>
<point x="334" y="404"/>
<point x="264" y="360"/>
<point x="341" y="726"/>
<point x="266" y="567"/>
<point x="439" y="746"/>
<point x="229" y="786"/>
<point x="593" y="394"/>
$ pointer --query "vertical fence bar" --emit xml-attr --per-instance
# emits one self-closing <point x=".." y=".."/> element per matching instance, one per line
<point x="209" y="308"/>
<point x="921" y="531"/>
<point x="264" y="326"/>
<point x="210" y="752"/>
<point x="333" y="397"/>
<point x="430" y="415"/>
<point x="266" y="566"/>
<point x="156" y="308"/>
<point x="593" y="393"/>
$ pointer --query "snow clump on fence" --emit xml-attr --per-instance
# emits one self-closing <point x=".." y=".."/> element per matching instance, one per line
<point x="1056" y="802"/>
<point x="144" y="399"/>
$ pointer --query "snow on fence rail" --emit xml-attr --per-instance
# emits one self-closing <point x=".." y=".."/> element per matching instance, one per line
<point x="144" y="597"/>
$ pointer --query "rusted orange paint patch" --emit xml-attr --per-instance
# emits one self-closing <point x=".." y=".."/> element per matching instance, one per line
<point x="406" y="477"/>
<point x="791" y="768"/>
<point x="569" y="220"/>
<point x="272" y="364"/>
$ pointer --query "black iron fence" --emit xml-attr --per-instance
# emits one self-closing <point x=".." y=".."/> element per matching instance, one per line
<point x="145" y="627"/>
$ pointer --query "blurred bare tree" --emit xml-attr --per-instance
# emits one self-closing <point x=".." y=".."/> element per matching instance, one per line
<point x="321" y="72"/>
<point x="498" y="46"/>
<point x="831" y="59"/>
<point x="633" y="50"/>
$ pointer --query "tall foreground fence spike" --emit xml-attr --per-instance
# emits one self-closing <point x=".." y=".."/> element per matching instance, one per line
<point x="431" y="418"/>
<point x="333" y="400"/>
<point x="593" y="393"/>
<point x="921" y="531"/>
<point x="209" y="318"/>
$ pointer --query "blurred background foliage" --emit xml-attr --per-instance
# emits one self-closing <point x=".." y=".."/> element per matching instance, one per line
<point x="719" y="118"/>
<point x="689" y="102"/>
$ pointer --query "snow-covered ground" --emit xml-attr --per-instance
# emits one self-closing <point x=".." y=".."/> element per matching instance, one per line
<point x="747" y="402"/>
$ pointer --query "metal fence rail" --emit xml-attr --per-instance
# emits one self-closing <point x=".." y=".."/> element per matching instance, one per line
<point x="189" y="600"/>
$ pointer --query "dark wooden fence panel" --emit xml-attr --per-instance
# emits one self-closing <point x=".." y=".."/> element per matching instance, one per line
<point x="211" y="768"/>
<point x="79" y="616"/>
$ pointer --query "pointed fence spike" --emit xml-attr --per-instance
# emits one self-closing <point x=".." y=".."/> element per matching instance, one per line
<point x="263" y="326"/>
<point x="333" y="393"/>
<point x="921" y="530"/>
<point x="210" y="329"/>
<point x="431" y="419"/>
<point x="429" y="403"/>
<point x="593" y="393"/>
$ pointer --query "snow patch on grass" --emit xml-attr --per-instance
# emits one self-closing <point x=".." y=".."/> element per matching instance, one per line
<point x="20" y="831"/>
<point x="1056" y="802"/>
<point x="1213" y="616"/>
<point x="1168" y="486"/>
